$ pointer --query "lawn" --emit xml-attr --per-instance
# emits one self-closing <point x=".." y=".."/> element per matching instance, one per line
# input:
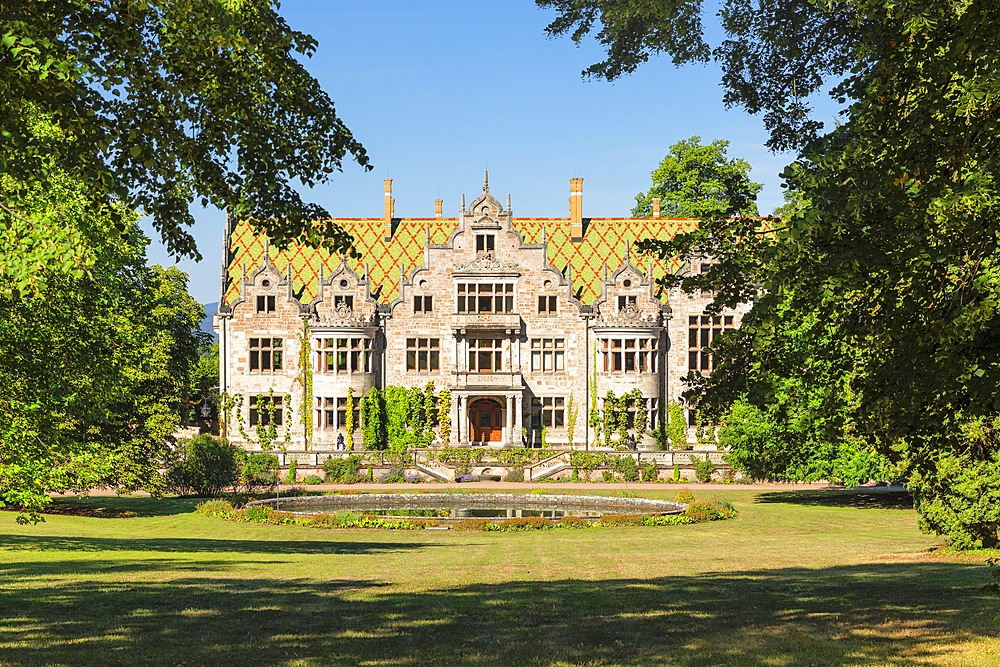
<point x="807" y="578"/>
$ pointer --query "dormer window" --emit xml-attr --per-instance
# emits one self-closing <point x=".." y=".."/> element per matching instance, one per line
<point x="485" y="243"/>
<point x="625" y="302"/>
<point x="265" y="304"/>
<point x="423" y="304"/>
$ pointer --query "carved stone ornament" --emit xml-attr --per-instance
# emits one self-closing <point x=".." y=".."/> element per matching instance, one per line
<point x="344" y="315"/>
<point x="485" y="262"/>
<point x="630" y="316"/>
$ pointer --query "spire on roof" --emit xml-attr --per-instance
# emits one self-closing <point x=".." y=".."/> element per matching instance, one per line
<point x="486" y="180"/>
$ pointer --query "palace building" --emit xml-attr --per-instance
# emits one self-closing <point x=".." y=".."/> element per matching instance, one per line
<point x="515" y="316"/>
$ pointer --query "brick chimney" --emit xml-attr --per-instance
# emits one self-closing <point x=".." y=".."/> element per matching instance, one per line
<point x="576" y="209"/>
<point x="389" y="201"/>
<point x="438" y="203"/>
<point x="656" y="207"/>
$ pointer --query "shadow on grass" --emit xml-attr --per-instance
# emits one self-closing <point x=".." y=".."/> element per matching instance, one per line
<point x="201" y="545"/>
<point x="117" y="507"/>
<point x="874" y="614"/>
<point x="867" y="499"/>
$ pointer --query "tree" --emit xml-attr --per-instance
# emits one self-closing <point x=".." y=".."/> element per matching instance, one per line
<point x="694" y="180"/>
<point x="895" y="247"/>
<point x="167" y="103"/>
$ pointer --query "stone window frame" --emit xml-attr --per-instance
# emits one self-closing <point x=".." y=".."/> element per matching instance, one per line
<point x="269" y="354"/>
<point x="702" y="332"/>
<point x="332" y="408"/>
<point x="423" y="351"/>
<point x="267" y="304"/>
<point x="550" y="408"/>
<point x="423" y="304"/>
<point x="263" y="417"/>
<point x="486" y="243"/>
<point x="548" y="305"/>
<point x="639" y="349"/>
<point x="556" y="352"/>
<point x="494" y="349"/>
<point x="508" y="305"/>
<point x="354" y="356"/>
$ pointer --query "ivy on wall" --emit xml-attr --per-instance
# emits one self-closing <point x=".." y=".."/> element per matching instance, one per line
<point x="350" y="418"/>
<point x="444" y="415"/>
<point x="305" y="378"/>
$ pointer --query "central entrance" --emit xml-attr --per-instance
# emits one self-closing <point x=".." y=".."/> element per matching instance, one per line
<point x="486" y="420"/>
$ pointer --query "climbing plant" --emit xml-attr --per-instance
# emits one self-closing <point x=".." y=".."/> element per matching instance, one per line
<point x="373" y="418"/>
<point x="571" y="411"/>
<point x="621" y="417"/>
<point x="444" y="415"/>
<point x="264" y="429"/>
<point x="676" y="427"/>
<point x="305" y="378"/>
<point x="430" y="414"/>
<point x="350" y="418"/>
<point x="609" y="416"/>
<point x="641" y="412"/>
<point x="595" y="417"/>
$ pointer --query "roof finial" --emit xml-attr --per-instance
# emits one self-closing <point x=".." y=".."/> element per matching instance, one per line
<point x="628" y="254"/>
<point x="486" y="180"/>
<point x="267" y="247"/>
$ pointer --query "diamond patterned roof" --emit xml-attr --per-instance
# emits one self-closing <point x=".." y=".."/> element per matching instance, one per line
<point x="604" y="241"/>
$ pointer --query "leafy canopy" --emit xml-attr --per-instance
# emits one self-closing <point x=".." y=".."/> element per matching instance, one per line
<point x="694" y="180"/>
<point x="891" y="246"/>
<point x="165" y="103"/>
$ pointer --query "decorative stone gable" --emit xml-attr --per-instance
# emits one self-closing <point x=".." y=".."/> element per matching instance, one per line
<point x="344" y="300"/>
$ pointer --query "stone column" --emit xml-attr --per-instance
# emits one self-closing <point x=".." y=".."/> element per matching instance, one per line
<point x="462" y="413"/>
<point x="518" y="418"/>
<point x="510" y="421"/>
<point x="455" y="435"/>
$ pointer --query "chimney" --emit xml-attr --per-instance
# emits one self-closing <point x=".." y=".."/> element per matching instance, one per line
<point x="389" y="201"/>
<point x="656" y="207"/>
<point x="438" y="204"/>
<point x="576" y="209"/>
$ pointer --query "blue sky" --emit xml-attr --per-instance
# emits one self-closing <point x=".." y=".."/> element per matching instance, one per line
<point x="439" y="91"/>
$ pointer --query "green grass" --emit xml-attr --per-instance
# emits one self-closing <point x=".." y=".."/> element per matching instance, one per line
<point x="820" y="578"/>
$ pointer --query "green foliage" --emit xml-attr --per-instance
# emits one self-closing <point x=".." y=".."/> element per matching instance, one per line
<point x="676" y="427"/>
<point x="342" y="470"/>
<point x="312" y="480"/>
<point x="587" y="461"/>
<point x="430" y="413"/>
<point x="290" y="478"/>
<point x="626" y="467"/>
<point x="258" y="471"/>
<point x="693" y="181"/>
<point x="168" y="103"/>
<point x="461" y="459"/>
<point x="305" y="379"/>
<point x="594" y="420"/>
<point x="676" y="477"/>
<point x="641" y="412"/>
<point x="351" y="418"/>
<point x="204" y="466"/>
<point x="650" y="473"/>
<point x="444" y="415"/>
<point x="97" y="352"/>
<point x="876" y="327"/>
<point x="684" y="496"/>
<point x="373" y="416"/>
<point x="703" y="468"/>
<point x="610" y="420"/>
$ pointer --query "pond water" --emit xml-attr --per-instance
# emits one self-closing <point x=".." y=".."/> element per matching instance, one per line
<point x="474" y="505"/>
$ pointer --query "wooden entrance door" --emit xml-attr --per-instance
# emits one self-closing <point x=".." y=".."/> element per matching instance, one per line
<point x="486" y="421"/>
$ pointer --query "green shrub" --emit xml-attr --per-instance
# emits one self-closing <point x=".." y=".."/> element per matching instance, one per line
<point x="342" y="470"/>
<point x="684" y="496"/>
<point x="702" y="511"/>
<point x="626" y="467"/>
<point x="649" y="472"/>
<point x="958" y="495"/>
<point x="258" y="470"/>
<point x="257" y="513"/>
<point x="220" y="508"/>
<point x="204" y="466"/>
<point x="312" y="480"/>
<point x="677" y="475"/>
<point x="608" y="476"/>
<point x="290" y="478"/>
<point x="570" y="521"/>
<point x="703" y="469"/>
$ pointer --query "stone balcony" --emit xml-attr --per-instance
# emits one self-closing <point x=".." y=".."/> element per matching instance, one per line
<point x="501" y="380"/>
<point x="508" y="322"/>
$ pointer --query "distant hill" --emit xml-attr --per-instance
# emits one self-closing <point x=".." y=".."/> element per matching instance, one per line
<point x="206" y="324"/>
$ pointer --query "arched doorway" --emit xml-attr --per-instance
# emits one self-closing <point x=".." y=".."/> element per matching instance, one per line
<point x="486" y="420"/>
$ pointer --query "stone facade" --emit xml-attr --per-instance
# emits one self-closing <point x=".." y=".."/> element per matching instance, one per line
<point x="483" y="312"/>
